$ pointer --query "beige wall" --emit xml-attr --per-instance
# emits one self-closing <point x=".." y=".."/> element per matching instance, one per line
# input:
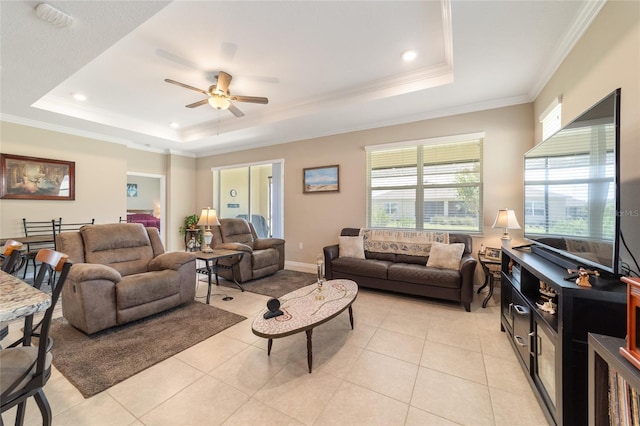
<point x="181" y="174"/>
<point x="315" y="220"/>
<point x="101" y="178"/>
<point x="607" y="57"/>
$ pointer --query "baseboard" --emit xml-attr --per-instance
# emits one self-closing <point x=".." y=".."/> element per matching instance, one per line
<point x="300" y="267"/>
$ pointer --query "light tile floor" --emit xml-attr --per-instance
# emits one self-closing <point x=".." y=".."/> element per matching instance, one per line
<point x="409" y="361"/>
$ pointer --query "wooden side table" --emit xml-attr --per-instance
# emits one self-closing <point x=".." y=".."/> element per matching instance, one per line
<point x="491" y="269"/>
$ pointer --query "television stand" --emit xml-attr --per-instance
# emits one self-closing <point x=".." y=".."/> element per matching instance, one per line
<point x="552" y="347"/>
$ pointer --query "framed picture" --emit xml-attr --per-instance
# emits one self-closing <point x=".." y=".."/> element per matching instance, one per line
<point x="321" y="179"/>
<point x="132" y="190"/>
<point x="31" y="178"/>
<point x="493" y="253"/>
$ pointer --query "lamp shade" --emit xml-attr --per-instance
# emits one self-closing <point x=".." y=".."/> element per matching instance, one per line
<point x="208" y="217"/>
<point x="506" y="219"/>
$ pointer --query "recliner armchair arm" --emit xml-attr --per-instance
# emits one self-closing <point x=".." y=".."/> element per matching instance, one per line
<point x="265" y="243"/>
<point x="93" y="271"/>
<point x="172" y="260"/>
<point x="234" y="246"/>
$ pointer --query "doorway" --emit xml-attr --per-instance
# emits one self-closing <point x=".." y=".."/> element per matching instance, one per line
<point x="148" y="197"/>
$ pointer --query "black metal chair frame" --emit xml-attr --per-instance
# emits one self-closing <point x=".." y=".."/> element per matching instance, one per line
<point x="12" y="259"/>
<point x="50" y="261"/>
<point x="61" y="226"/>
<point x="37" y="228"/>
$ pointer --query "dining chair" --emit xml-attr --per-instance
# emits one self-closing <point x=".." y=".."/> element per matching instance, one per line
<point x="37" y="229"/>
<point x="25" y="369"/>
<point x="11" y="261"/>
<point x="11" y="256"/>
<point x="62" y="226"/>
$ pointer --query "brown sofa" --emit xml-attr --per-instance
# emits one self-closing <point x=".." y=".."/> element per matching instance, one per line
<point x="263" y="256"/>
<point x="404" y="273"/>
<point x="120" y="274"/>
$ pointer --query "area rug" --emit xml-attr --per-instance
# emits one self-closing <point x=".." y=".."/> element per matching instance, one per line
<point x="276" y="285"/>
<point x="97" y="362"/>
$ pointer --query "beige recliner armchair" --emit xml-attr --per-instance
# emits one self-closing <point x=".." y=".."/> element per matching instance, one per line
<point x="120" y="274"/>
<point x="263" y="256"/>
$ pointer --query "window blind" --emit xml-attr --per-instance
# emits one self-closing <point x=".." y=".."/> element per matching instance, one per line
<point x="428" y="184"/>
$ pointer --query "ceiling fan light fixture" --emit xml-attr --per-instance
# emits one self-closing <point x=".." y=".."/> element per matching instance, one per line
<point x="219" y="102"/>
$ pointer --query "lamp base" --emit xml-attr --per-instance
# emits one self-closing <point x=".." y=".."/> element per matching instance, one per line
<point x="207" y="249"/>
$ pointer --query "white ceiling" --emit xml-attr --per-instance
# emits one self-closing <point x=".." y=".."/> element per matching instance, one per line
<point x="327" y="67"/>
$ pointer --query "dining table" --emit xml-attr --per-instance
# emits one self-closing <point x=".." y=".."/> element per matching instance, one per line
<point x="20" y="299"/>
<point x="33" y="239"/>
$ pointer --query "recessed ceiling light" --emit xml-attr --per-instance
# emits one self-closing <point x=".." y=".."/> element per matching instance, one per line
<point x="79" y="97"/>
<point x="409" y="55"/>
<point x="174" y="125"/>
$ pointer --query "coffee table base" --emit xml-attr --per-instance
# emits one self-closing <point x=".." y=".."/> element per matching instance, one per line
<point x="309" y="333"/>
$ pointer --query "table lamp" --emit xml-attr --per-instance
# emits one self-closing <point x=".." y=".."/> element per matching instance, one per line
<point x="208" y="217"/>
<point x="506" y="219"/>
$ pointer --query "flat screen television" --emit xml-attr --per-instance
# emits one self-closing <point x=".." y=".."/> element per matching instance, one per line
<point x="572" y="190"/>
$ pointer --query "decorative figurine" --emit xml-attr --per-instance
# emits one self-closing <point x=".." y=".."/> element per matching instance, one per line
<point x="583" y="276"/>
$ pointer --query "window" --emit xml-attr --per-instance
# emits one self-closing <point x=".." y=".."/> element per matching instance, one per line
<point x="551" y="118"/>
<point x="430" y="184"/>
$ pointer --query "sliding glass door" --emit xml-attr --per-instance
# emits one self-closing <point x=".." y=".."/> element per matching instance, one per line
<point x="252" y="192"/>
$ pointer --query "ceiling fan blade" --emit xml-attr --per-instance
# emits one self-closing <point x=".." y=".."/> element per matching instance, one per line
<point x="252" y="99"/>
<point x="177" y="59"/>
<point x="235" y="111"/>
<point x="197" y="104"/>
<point x="186" y="86"/>
<point x="223" y="82"/>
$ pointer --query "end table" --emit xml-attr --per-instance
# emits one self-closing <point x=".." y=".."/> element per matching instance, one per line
<point x="212" y="265"/>
<point x="490" y="274"/>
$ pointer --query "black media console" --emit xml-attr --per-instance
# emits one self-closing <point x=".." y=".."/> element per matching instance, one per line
<point x="552" y="347"/>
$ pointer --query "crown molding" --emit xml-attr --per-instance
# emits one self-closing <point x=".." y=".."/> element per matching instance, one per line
<point x="588" y="13"/>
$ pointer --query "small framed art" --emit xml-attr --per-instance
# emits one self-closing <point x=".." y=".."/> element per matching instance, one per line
<point x="493" y="253"/>
<point x="321" y="179"/>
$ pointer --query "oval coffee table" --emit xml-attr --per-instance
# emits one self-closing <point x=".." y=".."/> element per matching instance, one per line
<point x="306" y="308"/>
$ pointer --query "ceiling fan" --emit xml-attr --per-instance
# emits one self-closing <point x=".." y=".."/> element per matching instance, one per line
<point x="218" y="95"/>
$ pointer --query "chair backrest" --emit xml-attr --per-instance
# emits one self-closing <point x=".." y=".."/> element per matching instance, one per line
<point x="37" y="229"/>
<point x="235" y="230"/>
<point x="50" y="261"/>
<point x="126" y="247"/>
<point x="11" y="256"/>
<point x="61" y="226"/>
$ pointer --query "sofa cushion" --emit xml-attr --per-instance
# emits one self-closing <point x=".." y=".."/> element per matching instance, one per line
<point x="390" y="257"/>
<point x="236" y="231"/>
<point x="351" y="247"/>
<point x="446" y="256"/>
<point x="363" y="267"/>
<point x="143" y="288"/>
<point x="418" y="274"/>
<point x="123" y="246"/>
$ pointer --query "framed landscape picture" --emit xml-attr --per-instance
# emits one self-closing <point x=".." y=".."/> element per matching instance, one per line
<point x="32" y="178"/>
<point x="321" y="179"/>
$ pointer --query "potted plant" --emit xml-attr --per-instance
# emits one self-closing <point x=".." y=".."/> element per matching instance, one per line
<point x="191" y="224"/>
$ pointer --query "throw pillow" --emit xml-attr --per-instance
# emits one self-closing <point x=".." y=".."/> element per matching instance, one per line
<point x="351" y="247"/>
<point x="445" y="256"/>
